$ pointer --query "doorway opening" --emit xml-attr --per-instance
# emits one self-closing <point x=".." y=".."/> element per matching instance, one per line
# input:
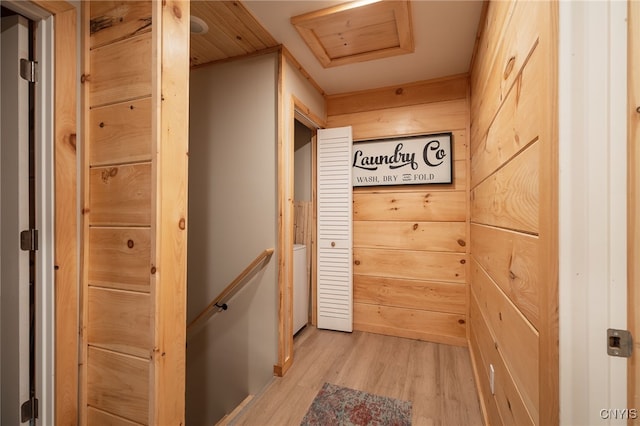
<point x="302" y="223"/>
<point x="304" y="249"/>
<point x="19" y="237"/>
<point x="26" y="210"/>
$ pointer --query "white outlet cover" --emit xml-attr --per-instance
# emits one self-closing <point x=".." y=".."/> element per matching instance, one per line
<point x="492" y="374"/>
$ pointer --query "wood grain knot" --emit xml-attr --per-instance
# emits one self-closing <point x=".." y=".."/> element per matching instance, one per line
<point x="495" y="344"/>
<point x="500" y="315"/>
<point x="638" y="110"/>
<point x="109" y="173"/>
<point x="130" y="243"/>
<point x="509" y="67"/>
<point x="100" y="23"/>
<point x="153" y="270"/>
<point x="463" y="261"/>
<point x="182" y="224"/>
<point x="333" y="243"/>
<point x="461" y="321"/>
<point x="512" y="275"/>
<point x="357" y="262"/>
<point x="101" y="124"/>
<point x="462" y="243"/>
<point x="415" y="226"/>
<point x="399" y="91"/>
<point x="72" y="141"/>
<point x="84" y="78"/>
<point x="131" y="107"/>
<point x="177" y="12"/>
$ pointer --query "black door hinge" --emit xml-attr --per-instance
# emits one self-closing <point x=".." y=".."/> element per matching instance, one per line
<point x="29" y="70"/>
<point x="29" y="240"/>
<point x="29" y="410"/>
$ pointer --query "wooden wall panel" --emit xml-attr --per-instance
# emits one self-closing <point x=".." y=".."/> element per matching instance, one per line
<point x="169" y="286"/>
<point x="412" y="294"/>
<point x="443" y="327"/>
<point x="121" y="71"/>
<point x="66" y="236"/>
<point x="422" y="205"/>
<point x="515" y="126"/>
<point x="497" y="16"/>
<point x="507" y="403"/>
<point x="449" y="267"/>
<point x="515" y="45"/>
<point x="508" y="326"/>
<point x="115" y="20"/>
<point x="440" y="90"/>
<point x="121" y="133"/>
<point x="481" y="372"/>
<point x="410" y="120"/>
<point x="514" y="212"/>
<point x="118" y="384"/>
<point x="432" y="236"/>
<point x="411" y="241"/>
<point x="98" y="417"/>
<point x="111" y="316"/>
<point x="120" y="258"/>
<point x="511" y="259"/>
<point x="135" y="87"/>
<point x="510" y="197"/>
<point x="120" y="195"/>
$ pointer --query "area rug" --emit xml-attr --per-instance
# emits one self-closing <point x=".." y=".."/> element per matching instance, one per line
<point x="337" y="405"/>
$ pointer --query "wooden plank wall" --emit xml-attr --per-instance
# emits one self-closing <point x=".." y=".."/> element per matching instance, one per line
<point x="410" y="242"/>
<point x="134" y="213"/>
<point x="513" y="263"/>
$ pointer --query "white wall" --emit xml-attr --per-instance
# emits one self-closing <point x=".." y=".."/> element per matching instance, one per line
<point x="232" y="218"/>
<point x="592" y="102"/>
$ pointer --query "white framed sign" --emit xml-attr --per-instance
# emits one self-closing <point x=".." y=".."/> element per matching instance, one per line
<point x="423" y="159"/>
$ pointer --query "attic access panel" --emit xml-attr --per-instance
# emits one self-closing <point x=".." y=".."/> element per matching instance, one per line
<point x="357" y="31"/>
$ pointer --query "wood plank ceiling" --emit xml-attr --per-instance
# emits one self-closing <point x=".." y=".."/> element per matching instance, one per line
<point x="232" y="31"/>
<point x="356" y="31"/>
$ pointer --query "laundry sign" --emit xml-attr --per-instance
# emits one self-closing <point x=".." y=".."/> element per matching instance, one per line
<point x="415" y="160"/>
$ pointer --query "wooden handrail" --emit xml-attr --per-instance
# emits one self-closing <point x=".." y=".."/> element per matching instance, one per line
<point x="226" y="294"/>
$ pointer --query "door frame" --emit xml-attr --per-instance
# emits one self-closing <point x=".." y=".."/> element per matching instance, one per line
<point x="593" y="208"/>
<point x="44" y="200"/>
<point x="304" y="115"/>
<point x="62" y="232"/>
<point x="633" y="206"/>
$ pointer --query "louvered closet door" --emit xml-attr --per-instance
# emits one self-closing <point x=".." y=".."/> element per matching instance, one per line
<point x="335" y="252"/>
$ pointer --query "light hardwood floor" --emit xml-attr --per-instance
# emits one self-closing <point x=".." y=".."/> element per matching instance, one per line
<point x="436" y="378"/>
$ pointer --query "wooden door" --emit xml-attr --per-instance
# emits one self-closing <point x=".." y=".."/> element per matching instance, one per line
<point x="334" y="232"/>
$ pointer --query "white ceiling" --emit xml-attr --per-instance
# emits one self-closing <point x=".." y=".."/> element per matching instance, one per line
<point x="444" y="36"/>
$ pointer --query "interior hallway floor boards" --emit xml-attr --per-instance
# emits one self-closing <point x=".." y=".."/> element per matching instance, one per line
<point x="436" y="378"/>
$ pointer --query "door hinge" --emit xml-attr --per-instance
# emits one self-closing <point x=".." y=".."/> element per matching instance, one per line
<point x="619" y="343"/>
<point x="29" y="240"/>
<point x="29" y="70"/>
<point x="29" y="410"/>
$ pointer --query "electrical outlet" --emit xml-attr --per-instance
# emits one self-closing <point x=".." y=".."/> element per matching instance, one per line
<point x="492" y="374"/>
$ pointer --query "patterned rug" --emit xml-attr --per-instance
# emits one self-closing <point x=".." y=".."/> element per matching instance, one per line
<point x="336" y="405"/>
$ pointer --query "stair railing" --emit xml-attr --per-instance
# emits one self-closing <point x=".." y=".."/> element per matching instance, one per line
<point x="219" y="304"/>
